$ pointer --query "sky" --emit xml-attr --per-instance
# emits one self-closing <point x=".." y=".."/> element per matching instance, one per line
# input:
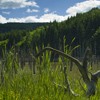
<point x="43" y="10"/>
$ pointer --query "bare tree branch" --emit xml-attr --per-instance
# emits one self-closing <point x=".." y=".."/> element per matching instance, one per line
<point x="76" y="61"/>
<point x="90" y="83"/>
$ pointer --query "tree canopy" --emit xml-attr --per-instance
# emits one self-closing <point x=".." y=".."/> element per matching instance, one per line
<point x="84" y="27"/>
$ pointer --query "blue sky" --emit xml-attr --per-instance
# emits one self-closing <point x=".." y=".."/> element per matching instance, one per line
<point x="43" y="10"/>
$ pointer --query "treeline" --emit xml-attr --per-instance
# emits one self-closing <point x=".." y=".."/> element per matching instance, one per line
<point x="7" y="27"/>
<point x="84" y="27"/>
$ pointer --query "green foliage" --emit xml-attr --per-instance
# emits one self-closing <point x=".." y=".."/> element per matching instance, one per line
<point x="83" y="27"/>
<point x="4" y="42"/>
<point x="8" y="27"/>
<point x="24" y="85"/>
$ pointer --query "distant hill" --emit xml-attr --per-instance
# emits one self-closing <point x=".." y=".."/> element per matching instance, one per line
<point x="19" y="26"/>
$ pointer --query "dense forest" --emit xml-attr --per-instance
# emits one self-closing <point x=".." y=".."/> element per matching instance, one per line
<point x="84" y="28"/>
<point x="19" y="26"/>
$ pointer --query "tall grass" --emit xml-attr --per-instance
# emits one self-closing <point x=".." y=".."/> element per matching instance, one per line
<point x="22" y="84"/>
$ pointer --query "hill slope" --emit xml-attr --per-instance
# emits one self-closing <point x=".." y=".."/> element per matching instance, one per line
<point x="19" y="26"/>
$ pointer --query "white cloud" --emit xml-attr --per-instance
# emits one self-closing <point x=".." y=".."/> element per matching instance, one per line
<point x="30" y="19"/>
<point x="32" y="10"/>
<point x="46" y="10"/>
<point x="83" y="7"/>
<point x="4" y="12"/>
<point x="2" y="19"/>
<point x="51" y="17"/>
<point x="4" y="4"/>
<point x="77" y="8"/>
<point x="44" y="18"/>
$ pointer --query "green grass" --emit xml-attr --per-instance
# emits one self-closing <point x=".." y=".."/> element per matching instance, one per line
<point x="21" y="84"/>
<point x="27" y="86"/>
<point x="24" y="85"/>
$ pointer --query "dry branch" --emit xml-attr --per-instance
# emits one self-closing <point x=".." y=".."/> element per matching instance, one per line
<point x="90" y="83"/>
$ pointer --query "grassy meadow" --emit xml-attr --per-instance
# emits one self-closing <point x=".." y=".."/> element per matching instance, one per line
<point x="46" y="84"/>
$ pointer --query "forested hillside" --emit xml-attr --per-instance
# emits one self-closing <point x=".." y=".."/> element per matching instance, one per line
<point x="84" y="27"/>
<point x="19" y="26"/>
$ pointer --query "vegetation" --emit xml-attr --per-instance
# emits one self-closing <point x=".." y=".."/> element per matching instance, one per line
<point x="84" y="28"/>
<point x="8" y="27"/>
<point x="48" y="82"/>
<point x="47" y="79"/>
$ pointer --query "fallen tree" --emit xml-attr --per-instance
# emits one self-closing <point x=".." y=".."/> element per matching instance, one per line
<point x="82" y="67"/>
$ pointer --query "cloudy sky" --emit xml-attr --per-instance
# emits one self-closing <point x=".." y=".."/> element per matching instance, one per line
<point x="43" y="10"/>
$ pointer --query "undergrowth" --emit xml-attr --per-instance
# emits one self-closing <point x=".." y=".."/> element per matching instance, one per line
<point x="46" y="84"/>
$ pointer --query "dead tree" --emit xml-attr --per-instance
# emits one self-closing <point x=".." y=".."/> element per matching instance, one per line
<point x="82" y="67"/>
